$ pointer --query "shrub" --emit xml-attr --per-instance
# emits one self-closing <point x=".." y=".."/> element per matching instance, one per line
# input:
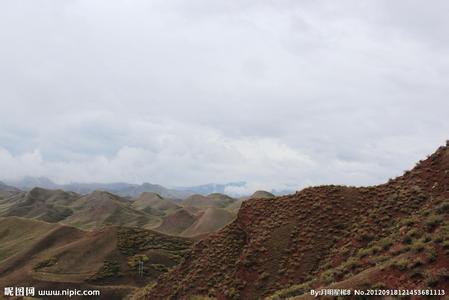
<point x="418" y="246"/>
<point x="414" y="233"/>
<point x="232" y="293"/>
<point x="426" y="238"/>
<point x="133" y="261"/>
<point x="379" y="286"/>
<point x="407" y="221"/>
<point x="386" y="243"/>
<point x="159" y="267"/>
<point x="46" y="263"/>
<point x="445" y="246"/>
<point x="416" y="274"/>
<point x="430" y="253"/>
<point x="406" y="239"/>
<point x="328" y="276"/>
<point x="293" y="291"/>
<point x="443" y="208"/>
<point x="433" y="221"/>
<point x="264" y="275"/>
<point x="431" y="280"/>
<point x="350" y="265"/>
<point x="109" y="269"/>
<point x="401" y="264"/>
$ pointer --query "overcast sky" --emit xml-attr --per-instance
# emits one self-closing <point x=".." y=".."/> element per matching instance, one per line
<point x="275" y="93"/>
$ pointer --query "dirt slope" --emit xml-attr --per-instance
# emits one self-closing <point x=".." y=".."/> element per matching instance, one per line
<point x="211" y="220"/>
<point x="326" y="235"/>
<point x="177" y="222"/>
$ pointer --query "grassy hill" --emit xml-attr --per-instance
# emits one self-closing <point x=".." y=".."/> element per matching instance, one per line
<point x="394" y="235"/>
<point x="56" y="256"/>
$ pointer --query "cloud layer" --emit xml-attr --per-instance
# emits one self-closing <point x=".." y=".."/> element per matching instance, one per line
<point x="276" y="93"/>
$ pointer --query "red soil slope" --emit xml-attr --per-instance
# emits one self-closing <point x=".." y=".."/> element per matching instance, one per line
<point x="318" y="235"/>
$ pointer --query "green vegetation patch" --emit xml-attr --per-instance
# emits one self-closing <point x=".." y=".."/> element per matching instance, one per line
<point x="45" y="263"/>
<point x="56" y="214"/>
<point x="109" y="269"/>
<point x="132" y="241"/>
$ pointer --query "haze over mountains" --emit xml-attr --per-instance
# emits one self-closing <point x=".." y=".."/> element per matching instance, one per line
<point x="132" y="190"/>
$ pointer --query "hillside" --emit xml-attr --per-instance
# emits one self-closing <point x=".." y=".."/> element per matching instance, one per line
<point x="177" y="222"/>
<point x="102" y="208"/>
<point x="211" y="200"/>
<point x="210" y="220"/>
<point x="41" y="204"/>
<point x="395" y="235"/>
<point x="55" y="256"/>
<point x="154" y="203"/>
<point x="7" y="190"/>
<point x="262" y="195"/>
<point x="90" y="211"/>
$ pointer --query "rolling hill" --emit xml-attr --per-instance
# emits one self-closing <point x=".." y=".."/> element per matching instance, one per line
<point x="394" y="235"/>
<point x="55" y="256"/>
<point x="7" y="190"/>
<point x="262" y="195"/>
<point x="41" y="204"/>
<point x="154" y="203"/>
<point x="90" y="211"/>
<point x="210" y="220"/>
<point x="119" y="188"/>
<point x="212" y="200"/>
<point x="177" y="222"/>
<point x="102" y="208"/>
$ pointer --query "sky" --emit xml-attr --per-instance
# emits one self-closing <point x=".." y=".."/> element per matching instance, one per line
<point x="280" y="94"/>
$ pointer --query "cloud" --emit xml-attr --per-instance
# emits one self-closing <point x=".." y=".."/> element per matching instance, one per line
<point x="186" y="92"/>
<point x="172" y="157"/>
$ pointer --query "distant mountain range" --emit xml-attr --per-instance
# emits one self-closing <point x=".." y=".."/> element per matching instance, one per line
<point x="131" y="190"/>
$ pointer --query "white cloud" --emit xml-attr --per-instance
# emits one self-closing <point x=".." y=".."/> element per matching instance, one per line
<point x="178" y="156"/>
<point x="182" y="92"/>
